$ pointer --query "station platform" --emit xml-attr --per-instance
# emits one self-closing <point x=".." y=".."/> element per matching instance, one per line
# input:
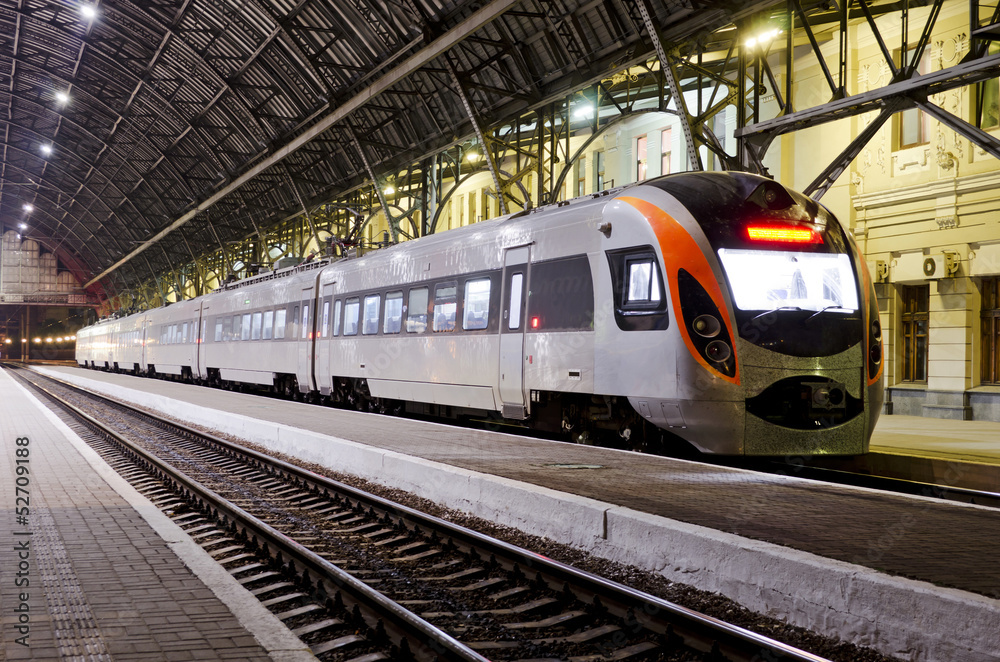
<point x="909" y="576"/>
<point x="92" y="571"/>
<point x="965" y="441"/>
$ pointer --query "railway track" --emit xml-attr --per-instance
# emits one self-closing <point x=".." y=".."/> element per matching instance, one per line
<point x="361" y="578"/>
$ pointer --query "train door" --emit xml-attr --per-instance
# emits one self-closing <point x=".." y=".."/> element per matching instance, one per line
<point x="304" y="341"/>
<point x="512" y="328"/>
<point x="199" y="344"/>
<point x="323" y="341"/>
<point x="144" y="340"/>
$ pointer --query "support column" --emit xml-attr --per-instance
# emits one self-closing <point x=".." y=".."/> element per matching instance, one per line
<point x="949" y="351"/>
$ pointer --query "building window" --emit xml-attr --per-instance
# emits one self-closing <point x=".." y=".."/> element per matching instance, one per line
<point x="988" y="99"/>
<point x="990" y="317"/>
<point x="666" y="141"/>
<point x="599" y="171"/>
<point x="913" y="124"/>
<point x="915" y="316"/>
<point x="640" y="158"/>
<point x="581" y="176"/>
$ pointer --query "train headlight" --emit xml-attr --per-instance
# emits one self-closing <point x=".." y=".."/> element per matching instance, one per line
<point x="706" y="326"/>
<point x="876" y="329"/>
<point x="718" y="351"/>
<point x="875" y="353"/>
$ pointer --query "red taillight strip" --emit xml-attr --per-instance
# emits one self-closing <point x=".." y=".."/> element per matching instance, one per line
<point x="787" y="234"/>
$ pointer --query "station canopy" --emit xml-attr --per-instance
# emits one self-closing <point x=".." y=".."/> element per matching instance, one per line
<point x="139" y="135"/>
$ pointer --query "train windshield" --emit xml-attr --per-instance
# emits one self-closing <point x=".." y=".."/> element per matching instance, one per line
<point x="770" y="280"/>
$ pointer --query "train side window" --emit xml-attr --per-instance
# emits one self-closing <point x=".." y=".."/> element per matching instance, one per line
<point x="393" y="312"/>
<point x="245" y="327"/>
<point x="305" y="321"/>
<point x="351" y="309"/>
<point x="643" y="281"/>
<point x="236" y="327"/>
<point x="336" y="317"/>
<point x="640" y="298"/>
<point x="325" y="331"/>
<point x="227" y="328"/>
<point x="476" y="307"/>
<point x="516" y="288"/>
<point x="445" y="306"/>
<point x="370" y="326"/>
<point x="218" y="330"/>
<point x="268" y="324"/>
<point x="293" y="333"/>
<point x="184" y="332"/>
<point x="279" y="323"/>
<point x="255" y="326"/>
<point x="416" y="310"/>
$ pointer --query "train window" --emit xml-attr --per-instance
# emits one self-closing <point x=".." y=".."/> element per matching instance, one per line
<point x="477" y="304"/>
<point x="227" y="329"/>
<point x="351" y="309"/>
<point x="305" y="321"/>
<point x="640" y="300"/>
<point x="445" y="306"/>
<point x="236" y="327"/>
<point x="326" y="320"/>
<point x="204" y="333"/>
<point x="184" y="332"/>
<point x="370" y="325"/>
<point x="279" y="323"/>
<point x="416" y="310"/>
<point x="516" y="288"/>
<point x="393" y="312"/>
<point x="336" y="317"/>
<point x="267" y="324"/>
<point x="258" y="318"/>
<point x="643" y="283"/>
<point x="562" y="295"/>
<point x="245" y="327"/>
<point x="294" y="323"/>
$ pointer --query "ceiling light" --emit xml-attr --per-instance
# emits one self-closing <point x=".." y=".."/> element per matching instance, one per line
<point x="62" y="97"/>
<point x="23" y="226"/>
<point x="473" y="156"/>
<point x="763" y="39"/>
<point x="583" y="112"/>
<point x="46" y="150"/>
<point x="389" y="190"/>
<point x="27" y="206"/>
<point x="88" y="11"/>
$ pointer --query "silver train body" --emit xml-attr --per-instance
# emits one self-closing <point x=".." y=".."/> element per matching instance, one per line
<point x="720" y="308"/>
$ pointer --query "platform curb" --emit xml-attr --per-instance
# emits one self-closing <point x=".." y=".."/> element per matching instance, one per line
<point x="905" y="618"/>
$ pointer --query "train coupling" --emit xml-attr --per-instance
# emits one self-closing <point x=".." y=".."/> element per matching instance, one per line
<point x="826" y="395"/>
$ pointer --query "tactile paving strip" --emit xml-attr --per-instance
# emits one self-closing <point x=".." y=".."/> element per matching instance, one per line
<point x="77" y="634"/>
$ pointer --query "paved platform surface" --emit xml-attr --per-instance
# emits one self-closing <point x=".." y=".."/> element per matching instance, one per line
<point x="84" y="576"/>
<point x="829" y="557"/>
<point x="970" y="441"/>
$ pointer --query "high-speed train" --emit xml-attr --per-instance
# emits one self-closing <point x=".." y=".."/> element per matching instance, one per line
<point x="720" y="308"/>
